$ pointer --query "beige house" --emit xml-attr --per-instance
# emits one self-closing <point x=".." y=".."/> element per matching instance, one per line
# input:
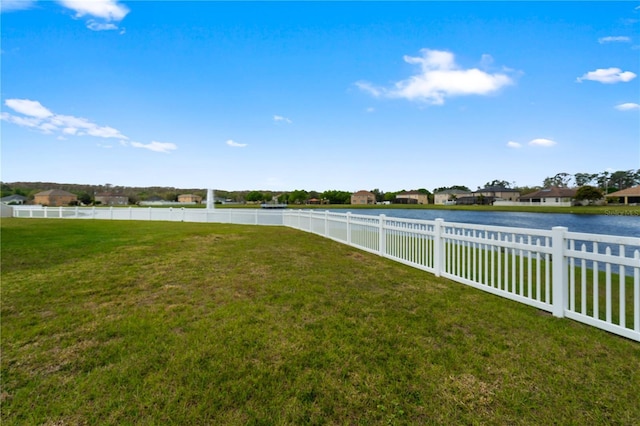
<point x="55" y="198"/>
<point x="627" y="196"/>
<point x="412" y="197"/>
<point x="449" y="196"/>
<point x="363" y="197"/>
<point x="190" y="199"/>
<point x="552" y="196"/>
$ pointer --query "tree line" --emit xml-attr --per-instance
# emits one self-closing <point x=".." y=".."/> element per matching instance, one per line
<point x="606" y="182"/>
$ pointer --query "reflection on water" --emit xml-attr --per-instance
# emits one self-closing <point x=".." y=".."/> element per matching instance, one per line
<point x="622" y="225"/>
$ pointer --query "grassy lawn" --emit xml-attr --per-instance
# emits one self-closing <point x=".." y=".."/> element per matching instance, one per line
<point x="117" y="322"/>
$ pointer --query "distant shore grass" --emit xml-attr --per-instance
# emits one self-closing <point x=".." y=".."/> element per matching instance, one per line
<point x="117" y="322"/>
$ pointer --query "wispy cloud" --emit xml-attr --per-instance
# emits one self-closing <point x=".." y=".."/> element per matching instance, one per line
<point x="165" y="147"/>
<point x="11" y="5"/>
<point x="440" y="78"/>
<point x="281" y="119"/>
<point x="103" y="14"/>
<point x="608" y="76"/>
<point x="28" y="107"/>
<point x="539" y="142"/>
<point x="234" y="144"/>
<point x="614" y="39"/>
<point x="542" y="142"/>
<point x="628" y="106"/>
<point x="36" y="116"/>
<point x="100" y="26"/>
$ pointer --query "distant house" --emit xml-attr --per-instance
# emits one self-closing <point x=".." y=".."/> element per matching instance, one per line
<point x="627" y="196"/>
<point x="363" y="197"/>
<point x="498" y="193"/>
<point x="13" y="199"/>
<point x="55" y="198"/>
<point x="449" y="196"/>
<point x="189" y="199"/>
<point x="552" y="196"/>
<point x="489" y="195"/>
<point x="412" y="197"/>
<point x="109" y="199"/>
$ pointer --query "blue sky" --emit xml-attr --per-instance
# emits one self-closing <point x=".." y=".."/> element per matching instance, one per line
<point x="317" y="96"/>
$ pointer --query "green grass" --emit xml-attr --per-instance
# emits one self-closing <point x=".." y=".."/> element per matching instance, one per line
<point x="185" y="323"/>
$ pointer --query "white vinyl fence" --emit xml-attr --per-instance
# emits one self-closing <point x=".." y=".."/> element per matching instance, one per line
<point x="591" y="278"/>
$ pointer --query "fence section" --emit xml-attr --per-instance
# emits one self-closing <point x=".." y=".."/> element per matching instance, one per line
<point x="591" y="278"/>
<point x="235" y="216"/>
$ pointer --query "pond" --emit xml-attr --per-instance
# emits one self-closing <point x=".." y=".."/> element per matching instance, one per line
<point x="622" y="225"/>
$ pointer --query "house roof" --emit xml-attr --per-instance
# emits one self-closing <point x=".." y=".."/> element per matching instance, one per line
<point x="363" y="192"/>
<point x="634" y="191"/>
<point x="496" y="189"/>
<point x="453" y="192"/>
<point x="14" y="197"/>
<point x="57" y="192"/>
<point x="551" y="192"/>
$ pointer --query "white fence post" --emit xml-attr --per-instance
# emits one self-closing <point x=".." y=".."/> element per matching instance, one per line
<point x="382" y="246"/>
<point x="438" y="247"/>
<point x="349" y="228"/>
<point x="559" y="271"/>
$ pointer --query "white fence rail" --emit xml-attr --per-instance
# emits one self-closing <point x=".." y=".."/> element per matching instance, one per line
<point x="591" y="278"/>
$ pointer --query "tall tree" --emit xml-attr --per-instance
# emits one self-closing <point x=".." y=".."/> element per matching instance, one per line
<point x="582" y="179"/>
<point x="588" y="193"/>
<point x="379" y="195"/>
<point x="498" y="184"/>
<point x="561" y="180"/>
<point x="255" y="196"/>
<point x="299" y="196"/>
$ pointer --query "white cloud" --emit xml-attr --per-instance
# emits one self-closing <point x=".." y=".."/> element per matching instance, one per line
<point x="21" y="121"/>
<point x="106" y="11"/>
<point x="608" y="76"/>
<point x="542" y="142"/>
<point x="98" y="26"/>
<point x="10" y="5"/>
<point x="105" y="132"/>
<point x="279" y="118"/>
<point x="613" y="39"/>
<point x="439" y="78"/>
<point x="235" y="144"/>
<point x="512" y="144"/>
<point x="628" y="106"/>
<point x="41" y="118"/>
<point x="36" y="116"/>
<point x="28" y="107"/>
<point x="109" y="10"/>
<point x="165" y="147"/>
